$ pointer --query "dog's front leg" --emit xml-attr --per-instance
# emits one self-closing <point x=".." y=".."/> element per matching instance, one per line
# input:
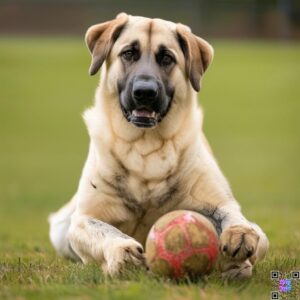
<point x="94" y="240"/>
<point x="242" y="243"/>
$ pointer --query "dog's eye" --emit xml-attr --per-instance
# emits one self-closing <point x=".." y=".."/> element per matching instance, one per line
<point x="128" y="55"/>
<point x="166" y="60"/>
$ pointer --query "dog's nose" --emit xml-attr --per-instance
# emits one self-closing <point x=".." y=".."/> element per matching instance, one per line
<point x="145" y="90"/>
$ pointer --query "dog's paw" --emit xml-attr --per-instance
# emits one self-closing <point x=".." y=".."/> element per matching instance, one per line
<point x="236" y="270"/>
<point x="121" y="253"/>
<point x="238" y="242"/>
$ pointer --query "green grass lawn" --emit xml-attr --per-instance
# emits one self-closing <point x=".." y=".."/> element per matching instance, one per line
<point x="251" y="101"/>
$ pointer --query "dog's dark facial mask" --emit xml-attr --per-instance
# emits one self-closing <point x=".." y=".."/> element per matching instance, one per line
<point x="145" y="93"/>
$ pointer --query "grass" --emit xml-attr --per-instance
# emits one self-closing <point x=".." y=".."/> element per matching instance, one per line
<point x="251" y="101"/>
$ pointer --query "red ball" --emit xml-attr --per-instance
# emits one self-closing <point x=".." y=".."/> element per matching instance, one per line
<point x="182" y="244"/>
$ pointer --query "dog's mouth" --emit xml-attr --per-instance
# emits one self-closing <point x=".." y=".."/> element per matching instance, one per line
<point x="142" y="117"/>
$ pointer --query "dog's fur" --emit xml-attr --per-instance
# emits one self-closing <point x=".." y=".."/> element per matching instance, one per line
<point x="134" y="175"/>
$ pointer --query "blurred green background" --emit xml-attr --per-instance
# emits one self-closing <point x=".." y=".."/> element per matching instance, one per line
<point x="251" y="102"/>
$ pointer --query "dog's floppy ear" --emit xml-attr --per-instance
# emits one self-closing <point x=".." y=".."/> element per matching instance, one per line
<point x="100" y="39"/>
<point x="198" y="54"/>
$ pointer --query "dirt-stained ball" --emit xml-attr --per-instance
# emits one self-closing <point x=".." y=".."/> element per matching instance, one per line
<point x="182" y="244"/>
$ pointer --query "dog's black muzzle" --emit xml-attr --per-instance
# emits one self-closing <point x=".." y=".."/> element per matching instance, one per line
<point x="144" y="100"/>
<point x="145" y="96"/>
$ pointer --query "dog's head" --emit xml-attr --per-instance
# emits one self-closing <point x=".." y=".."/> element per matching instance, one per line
<point x="149" y="63"/>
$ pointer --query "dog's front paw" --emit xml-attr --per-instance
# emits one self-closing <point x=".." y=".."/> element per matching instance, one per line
<point x="239" y="242"/>
<point x="120" y="253"/>
<point x="235" y="270"/>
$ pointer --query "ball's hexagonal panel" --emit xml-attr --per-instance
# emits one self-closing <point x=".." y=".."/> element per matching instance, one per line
<point x="198" y="238"/>
<point x="196" y="264"/>
<point x="174" y="240"/>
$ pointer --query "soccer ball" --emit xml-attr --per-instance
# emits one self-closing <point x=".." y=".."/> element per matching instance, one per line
<point x="182" y="244"/>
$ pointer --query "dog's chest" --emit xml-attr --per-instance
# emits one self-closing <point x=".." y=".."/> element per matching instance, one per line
<point x="144" y="177"/>
<point x="149" y="158"/>
<point x="147" y="194"/>
<point x="147" y="172"/>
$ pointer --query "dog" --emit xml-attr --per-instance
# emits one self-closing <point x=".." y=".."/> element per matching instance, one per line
<point x="148" y="154"/>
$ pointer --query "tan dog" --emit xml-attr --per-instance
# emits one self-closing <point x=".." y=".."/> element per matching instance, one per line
<point x="148" y="155"/>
